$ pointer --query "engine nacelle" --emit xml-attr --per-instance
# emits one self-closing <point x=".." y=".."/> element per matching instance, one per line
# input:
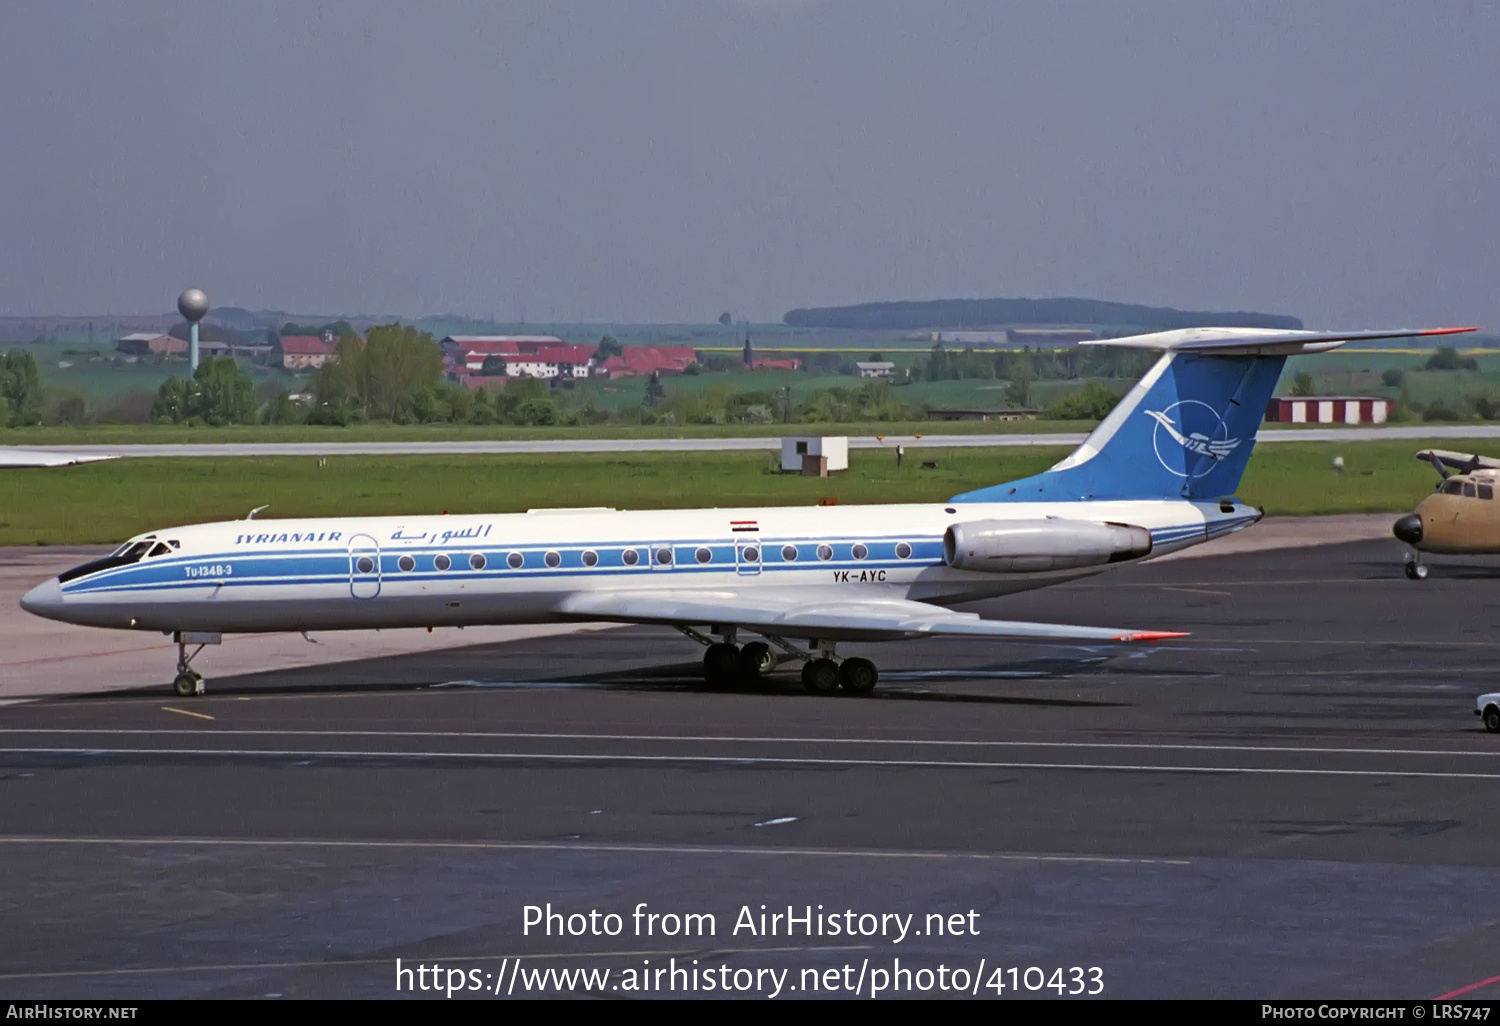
<point x="1032" y="546"/>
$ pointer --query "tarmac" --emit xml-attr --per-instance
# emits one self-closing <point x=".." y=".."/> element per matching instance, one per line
<point x="1290" y="803"/>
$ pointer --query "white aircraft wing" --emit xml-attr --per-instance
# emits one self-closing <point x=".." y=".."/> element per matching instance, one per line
<point x="833" y="618"/>
<point x="12" y="457"/>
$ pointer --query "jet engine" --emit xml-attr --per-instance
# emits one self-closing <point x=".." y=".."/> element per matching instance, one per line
<point x="1032" y="546"/>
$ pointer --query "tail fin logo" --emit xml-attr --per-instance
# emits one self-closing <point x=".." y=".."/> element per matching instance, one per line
<point x="1214" y="442"/>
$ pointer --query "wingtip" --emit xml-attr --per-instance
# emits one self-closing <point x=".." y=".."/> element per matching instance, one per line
<point x="1150" y="635"/>
<point x="1446" y="331"/>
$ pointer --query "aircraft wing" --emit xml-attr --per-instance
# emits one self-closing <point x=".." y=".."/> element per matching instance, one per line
<point x="833" y="618"/>
<point x="1464" y="462"/>
<point x="11" y="457"/>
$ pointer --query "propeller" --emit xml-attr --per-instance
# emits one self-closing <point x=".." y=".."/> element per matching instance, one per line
<point x="1437" y="465"/>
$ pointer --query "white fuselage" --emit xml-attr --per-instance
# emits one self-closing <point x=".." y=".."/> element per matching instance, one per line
<point x="432" y="571"/>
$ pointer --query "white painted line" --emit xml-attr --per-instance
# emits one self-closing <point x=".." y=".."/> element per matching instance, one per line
<point x="742" y="760"/>
<point x="698" y="738"/>
<point x="647" y="849"/>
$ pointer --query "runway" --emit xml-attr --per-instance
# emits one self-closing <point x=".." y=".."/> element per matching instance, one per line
<point x="1294" y="802"/>
<point x="491" y="447"/>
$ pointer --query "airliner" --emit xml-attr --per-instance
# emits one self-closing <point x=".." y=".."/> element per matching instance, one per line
<point x="1157" y="475"/>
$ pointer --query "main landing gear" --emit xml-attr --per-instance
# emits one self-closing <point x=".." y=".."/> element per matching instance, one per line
<point x="188" y="681"/>
<point x="726" y="663"/>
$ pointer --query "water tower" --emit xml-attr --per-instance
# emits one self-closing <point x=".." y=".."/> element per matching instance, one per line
<point x="193" y="304"/>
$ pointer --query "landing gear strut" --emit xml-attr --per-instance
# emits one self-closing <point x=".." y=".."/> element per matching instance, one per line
<point x="189" y="682"/>
<point x="1415" y="569"/>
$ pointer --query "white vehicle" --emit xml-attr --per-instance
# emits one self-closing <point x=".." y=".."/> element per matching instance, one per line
<point x="1157" y="475"/>
<point x="1488" y="707"/>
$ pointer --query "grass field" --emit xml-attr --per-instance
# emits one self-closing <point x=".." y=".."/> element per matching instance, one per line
<point x="107" y="502"/>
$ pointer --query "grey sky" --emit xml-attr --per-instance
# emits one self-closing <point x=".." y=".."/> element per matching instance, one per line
<point x="653" y="161"/>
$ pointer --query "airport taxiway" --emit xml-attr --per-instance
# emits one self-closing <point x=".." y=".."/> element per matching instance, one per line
<point x="491" y="447"/>
<point x="1296" y="801"/>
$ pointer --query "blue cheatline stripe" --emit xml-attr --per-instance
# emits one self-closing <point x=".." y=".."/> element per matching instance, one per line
<point x="276" y="568"/>
<point x="334" y="566"/>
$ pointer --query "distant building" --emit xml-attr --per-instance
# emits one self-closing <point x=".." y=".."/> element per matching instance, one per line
<point x="300" y="352"/>
<point x="535" y="356"/>
<point x="1328" y="409"/>
<point x="876" y="369"/>
<point x="637" y="361"/>
<point x="150" y="343"/>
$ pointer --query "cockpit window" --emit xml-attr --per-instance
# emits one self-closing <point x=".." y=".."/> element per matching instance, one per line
<point x="1469" y="492"/>
<point x="159" y="549"/>
<point x="1486" y="491"/>
<point x="130" y="552"/>
<point x="1452" y="488"/>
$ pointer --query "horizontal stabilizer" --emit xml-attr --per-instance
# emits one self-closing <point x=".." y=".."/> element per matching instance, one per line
<point x="833" y="618"/>
<point x="1259" y="341"/>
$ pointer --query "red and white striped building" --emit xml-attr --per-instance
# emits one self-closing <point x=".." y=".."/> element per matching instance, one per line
<point x="1328" y="409"/>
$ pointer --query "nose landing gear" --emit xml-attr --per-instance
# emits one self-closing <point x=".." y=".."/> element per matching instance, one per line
<point x="188" y="681"/>
<point x="1411" y="563"/>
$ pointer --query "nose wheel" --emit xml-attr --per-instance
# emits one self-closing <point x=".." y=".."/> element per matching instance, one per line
<point x="1416" y="570"/>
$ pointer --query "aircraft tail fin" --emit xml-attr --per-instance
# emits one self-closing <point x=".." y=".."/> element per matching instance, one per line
<point x="1187" y="428"/>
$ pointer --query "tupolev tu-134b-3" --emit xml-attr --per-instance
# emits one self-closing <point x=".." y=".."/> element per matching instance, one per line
<point x="1157" y="475"/>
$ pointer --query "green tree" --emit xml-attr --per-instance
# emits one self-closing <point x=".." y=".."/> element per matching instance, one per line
<point x="1018" y="392"/>
<point x="219" y="393"/>
<point x="225" y="394"/>
<point x="378" y="377"/>
<point x="281" y="410"/>
<point x="1302" y="383"/>
<point x="21" y="391"/>
<point x="608" y="346"/>
<point x="1091" y="402"/>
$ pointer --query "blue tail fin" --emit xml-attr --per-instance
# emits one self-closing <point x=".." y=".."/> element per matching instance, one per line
<point x="1185" y="430"/>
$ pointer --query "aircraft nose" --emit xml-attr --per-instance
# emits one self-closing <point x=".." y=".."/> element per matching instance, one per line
<point x="44" y="600"/>
<point x="1409" y="529"/>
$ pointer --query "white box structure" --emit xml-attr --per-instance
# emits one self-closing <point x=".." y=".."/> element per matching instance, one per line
<point x="834" y="448"/>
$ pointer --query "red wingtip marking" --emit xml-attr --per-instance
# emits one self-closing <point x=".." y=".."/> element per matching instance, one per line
<point x="1150" y="635"/>
<point x="1446" y="331"/>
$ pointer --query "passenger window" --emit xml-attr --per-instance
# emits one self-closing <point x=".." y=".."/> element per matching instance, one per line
<point x="590" y="557"/>
<point x="789" y="553"/>
<point x="704" y="554"/>
<point x="903" y="550"/>
<point x="1469" y="492"/>
<point x="630" y="557"/>
<point x="1486" y="491"/>
<point x="825" y="552"/>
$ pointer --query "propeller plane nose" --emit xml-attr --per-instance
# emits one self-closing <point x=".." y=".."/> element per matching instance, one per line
<point x="1408" y="529"/>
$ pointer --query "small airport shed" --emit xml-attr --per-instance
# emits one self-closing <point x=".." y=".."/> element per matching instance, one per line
<point x="1328" y="409"/>
<point x="814" y="455"/>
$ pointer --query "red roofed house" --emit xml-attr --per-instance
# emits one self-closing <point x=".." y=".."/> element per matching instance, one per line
<point x="636" y="361"/>
<point x="298" y="352"/>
